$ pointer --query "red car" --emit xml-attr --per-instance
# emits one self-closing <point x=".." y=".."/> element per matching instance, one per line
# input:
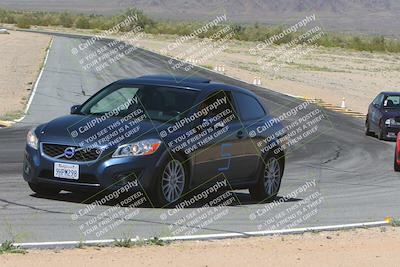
<point x="396" y="164"/>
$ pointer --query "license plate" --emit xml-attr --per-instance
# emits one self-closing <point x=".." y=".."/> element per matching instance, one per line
<point x="66" y="171"/>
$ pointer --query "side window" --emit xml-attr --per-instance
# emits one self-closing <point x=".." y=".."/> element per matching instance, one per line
<point x="114" y="100"/>
<point x="378" y="100"/>
<point x="392" y="101"/>
<point x="219" y="104"/>
<point x="249" y="107"/>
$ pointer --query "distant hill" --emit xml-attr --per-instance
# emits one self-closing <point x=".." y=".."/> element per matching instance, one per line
<point x="366" y="16"/>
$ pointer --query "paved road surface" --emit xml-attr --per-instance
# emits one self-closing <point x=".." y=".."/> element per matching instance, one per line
<point x="353" y="172"/>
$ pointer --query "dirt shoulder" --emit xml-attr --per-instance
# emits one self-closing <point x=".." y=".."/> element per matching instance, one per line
<point x="22" y="55"/>
<point x="362" y="247"/>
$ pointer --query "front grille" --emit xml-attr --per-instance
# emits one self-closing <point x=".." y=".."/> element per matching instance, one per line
<point x="81" y="154"/>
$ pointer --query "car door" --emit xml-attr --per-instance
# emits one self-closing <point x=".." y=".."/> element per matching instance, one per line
<point x="251" y="114"/>
<point x="220" y="155"/>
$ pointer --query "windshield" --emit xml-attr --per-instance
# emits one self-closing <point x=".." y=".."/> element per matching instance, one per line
<point x="158" y="103"/>
<point x="392" y="101"/>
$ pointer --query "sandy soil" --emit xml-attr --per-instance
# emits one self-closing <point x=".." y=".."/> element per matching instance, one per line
<point x="362" y="247"/>
<point x="325" y="73"/>
<point x="22" y="55"/>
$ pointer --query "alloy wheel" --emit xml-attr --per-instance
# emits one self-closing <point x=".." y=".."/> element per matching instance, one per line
<point x="272" y="176"/>
<point x="173" y="181"/>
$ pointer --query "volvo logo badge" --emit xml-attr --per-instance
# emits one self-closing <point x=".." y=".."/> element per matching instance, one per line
<point x="69" y="152"/>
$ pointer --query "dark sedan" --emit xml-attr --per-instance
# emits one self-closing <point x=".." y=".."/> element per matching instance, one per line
<point x="167" y="135"/>
<point x="383" y="118"/>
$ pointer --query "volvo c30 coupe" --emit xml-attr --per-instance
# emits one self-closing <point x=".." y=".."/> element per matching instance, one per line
<point x="167" y="134"/>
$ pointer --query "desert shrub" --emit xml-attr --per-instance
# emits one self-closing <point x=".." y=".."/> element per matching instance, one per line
<point x="244" y="32"/>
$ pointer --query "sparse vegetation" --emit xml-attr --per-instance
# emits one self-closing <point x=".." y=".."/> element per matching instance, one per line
<point x="207" y="67"/>
<point x="81" y="244"/>
<point x="8" y="247"/>
<point x="395" y="222"/>
<point x="127" y="242"/>
<point x="10" y="116"/>
<point x="255" y="32"/>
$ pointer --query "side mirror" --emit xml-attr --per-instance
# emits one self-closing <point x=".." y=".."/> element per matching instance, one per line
<point x="75" y="109"/>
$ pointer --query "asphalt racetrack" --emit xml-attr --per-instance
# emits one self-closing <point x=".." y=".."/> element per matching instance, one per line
<point x="353" y="174"/>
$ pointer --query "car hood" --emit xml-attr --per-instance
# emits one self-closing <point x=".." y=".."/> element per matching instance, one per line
<point x="80" y="130"/>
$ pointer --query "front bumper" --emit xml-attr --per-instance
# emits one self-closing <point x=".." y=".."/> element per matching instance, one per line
<point x="106" y="173"/>
<point x="390" y="132"/>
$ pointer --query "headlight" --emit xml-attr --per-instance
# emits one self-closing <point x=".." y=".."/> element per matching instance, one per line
<point x="391" y="121"/>
<point x="31" y="139"/>
<point x="141" y="148"/>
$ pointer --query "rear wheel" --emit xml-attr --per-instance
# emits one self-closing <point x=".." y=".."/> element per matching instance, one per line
<point x="171" y="183"/>
<point x="44" y="190"/>
<point x="269" y="180"/>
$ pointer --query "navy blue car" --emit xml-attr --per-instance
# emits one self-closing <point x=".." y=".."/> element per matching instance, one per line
<point x="383" y="118"/>
<point x="166" y="134"/>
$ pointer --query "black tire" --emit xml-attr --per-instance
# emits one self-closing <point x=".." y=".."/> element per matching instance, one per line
<point x="367" y="130"/>
<point x="380" y="134"/>
<point x="43" y="190"/>
<point x="260" y="192"/>
<point x="396" y="167"/>
<point x="159" y="196"/>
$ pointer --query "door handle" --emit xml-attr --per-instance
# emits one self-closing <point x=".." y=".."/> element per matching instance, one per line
<point x="240" y="134"/>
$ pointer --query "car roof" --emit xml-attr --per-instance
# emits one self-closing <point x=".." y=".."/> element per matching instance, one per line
<point x="184" y="82"/>
<point x="391" y="93"/>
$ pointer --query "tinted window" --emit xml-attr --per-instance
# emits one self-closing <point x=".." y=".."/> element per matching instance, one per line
<point x="113" y="100"/>
<point x="392" y="101"/>
<point x="249" y="107"/>
<point x="223" y="103"/>
<point x="159" y="103"/>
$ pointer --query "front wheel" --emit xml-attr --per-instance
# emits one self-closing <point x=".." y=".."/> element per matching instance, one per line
<point x="171" y="183"/>
<point x="43" y="190"/>
<point x="381" y="135"/>
<point x="367" y="130"/>
<point x="269" y="180"/>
